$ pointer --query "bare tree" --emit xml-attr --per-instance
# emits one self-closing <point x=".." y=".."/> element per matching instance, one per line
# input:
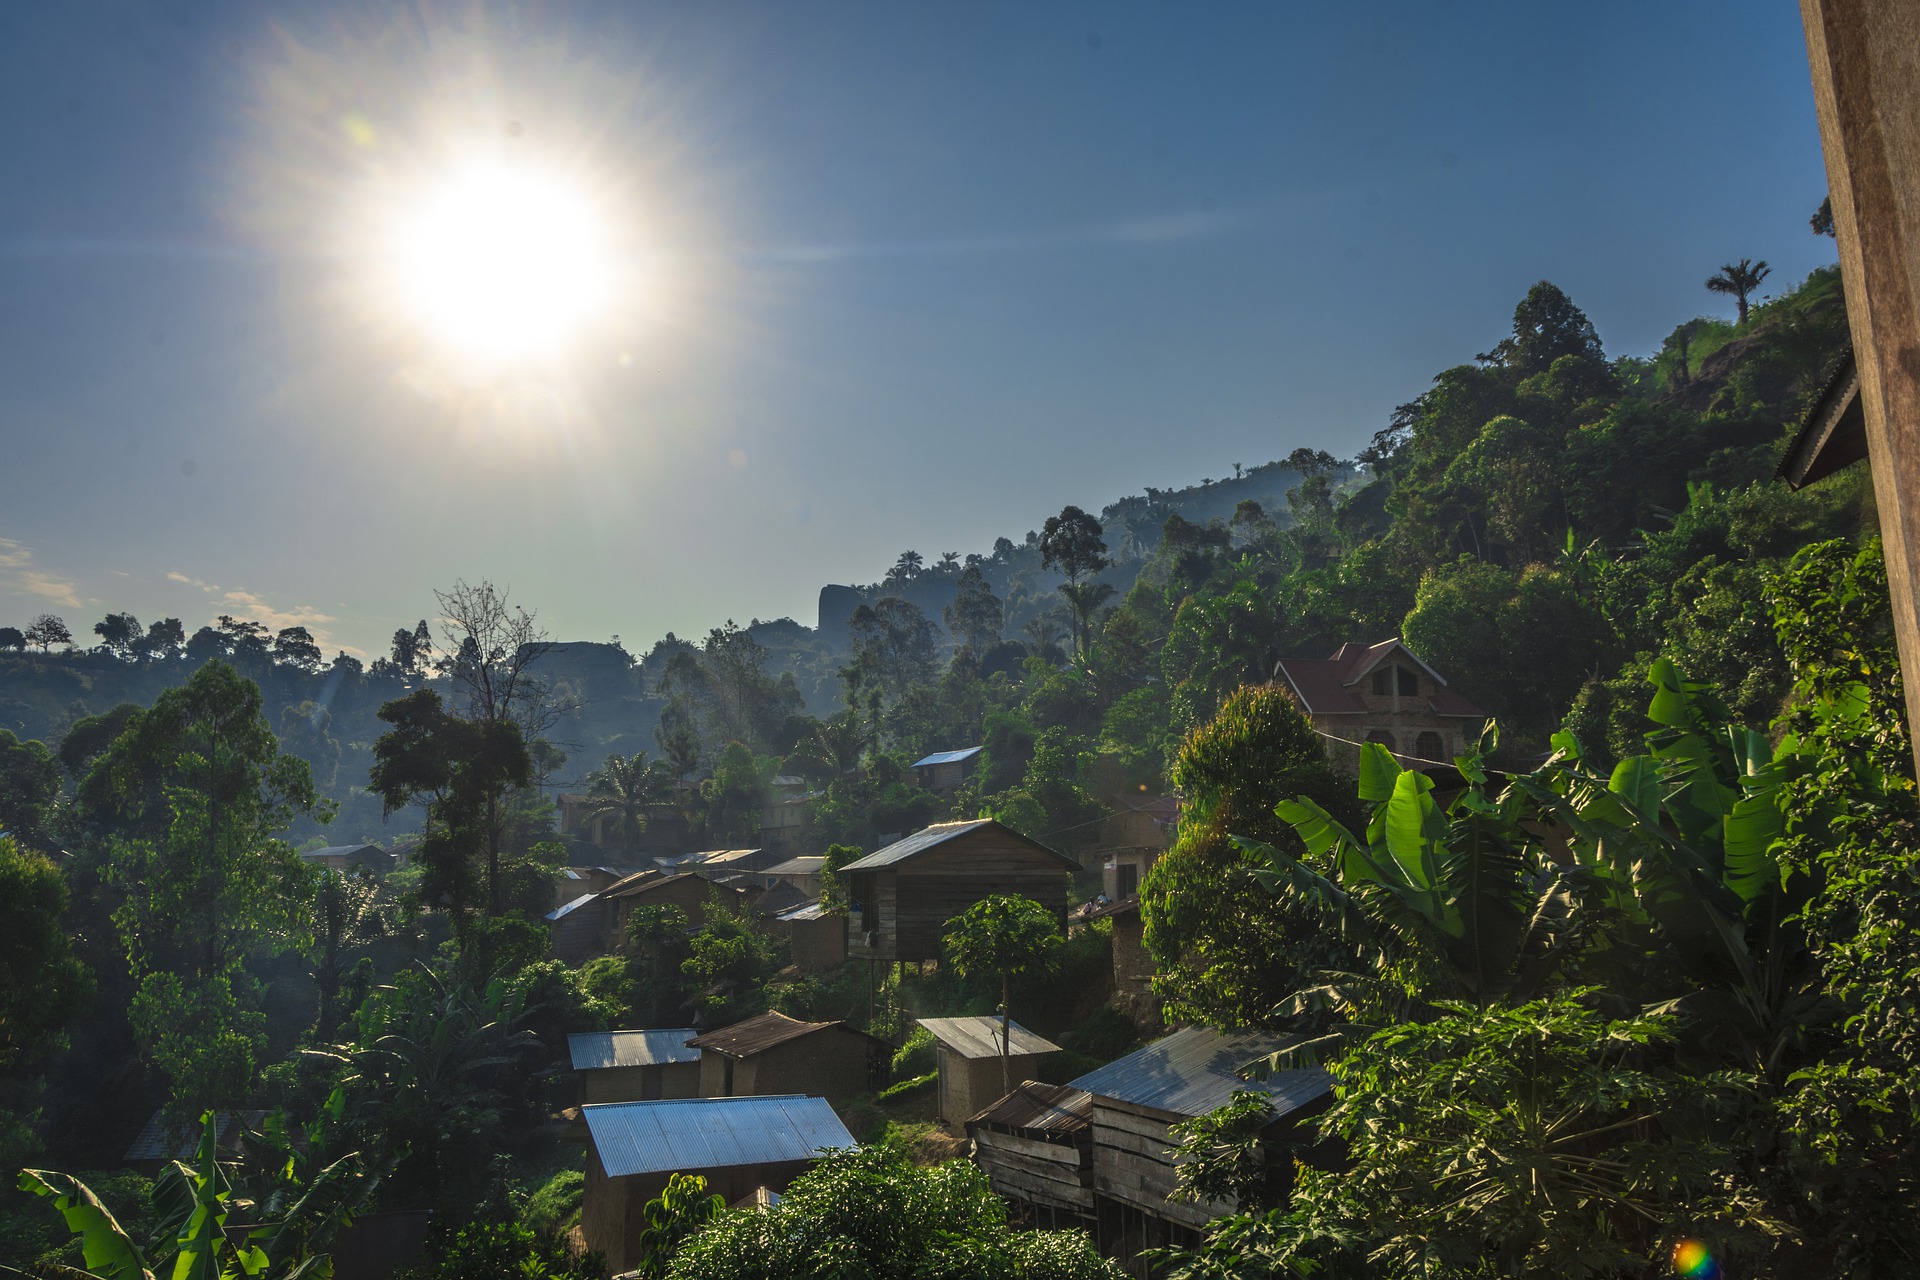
<point x="491" y="646"/>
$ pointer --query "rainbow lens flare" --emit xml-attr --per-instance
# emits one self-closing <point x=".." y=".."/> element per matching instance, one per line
<point x="1695" y="1260"/>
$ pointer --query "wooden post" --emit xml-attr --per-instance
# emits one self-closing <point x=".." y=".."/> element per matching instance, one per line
<point x="1865" y="57"/>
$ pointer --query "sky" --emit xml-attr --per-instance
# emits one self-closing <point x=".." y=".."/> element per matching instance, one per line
<point x="867" y="277"/>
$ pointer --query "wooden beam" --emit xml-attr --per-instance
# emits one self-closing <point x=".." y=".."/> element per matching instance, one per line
<point x="1865" y="58"/>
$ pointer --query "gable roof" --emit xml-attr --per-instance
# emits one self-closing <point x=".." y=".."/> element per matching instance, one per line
<point x="947" y="757"/>
<point x="568" y="909"/>
<point x="781" y="897"/>
<point x="686" y="1135"/>
<point x="646" y="882"/>
<point x="1196" y="1069"/>
<point x="757" y="1035"/>
<point x="979" y="1037"/>
<point x="1325" y="686"/>
<point x="1046" y="1108"/>
<point x="593" y="1050"/>
<point x="805" y="865"/>
<point x="938" y="834"/>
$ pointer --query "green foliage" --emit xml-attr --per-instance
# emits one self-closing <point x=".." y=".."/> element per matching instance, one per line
<point x="682" y="1209"/>
<point x="29" y="788"/>
<point x="871" y="1212"/>
<point x="489" y="1250"/>
<point x="1005" y="937"/>
<point x="916" y="1056"/>
<point x="554" y="1208"/>
<point x="43" y="987"/>
<point x="730" y="958"/>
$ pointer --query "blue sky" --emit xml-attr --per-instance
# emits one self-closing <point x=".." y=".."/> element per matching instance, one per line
<point x="915" y="275"/>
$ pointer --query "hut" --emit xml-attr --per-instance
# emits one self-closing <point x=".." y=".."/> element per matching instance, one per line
<point x="1136" y="1099"/>
<point x="946" y="770"/>
<point x="777" y="1054"/>
<point x="971" y="1073"/>
<point x="905" y="893"/>
<point x="162" y="1141"/>
<point x="1036" y="1147"/>
<point x="739" y="1145"/>
<point x="1382" y="693"/>
<point x="345" y="857"/>
<point x="802" y="873"/>
<point x="816" y="937"/>
<point x="636" y="1066"/>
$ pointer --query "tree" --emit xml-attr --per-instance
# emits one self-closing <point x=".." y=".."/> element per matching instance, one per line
<point x="412" y="650"/>
<point x="12" y="639"/>
<point x="119" y="633"/>
<point x="243" y="638"/>
<point x="29" y="789"/>
<point x="1005" y="937"/>
<point x="872" y="1212"/>
<point x="651" y="931"/>
<point x="344" y="913"/>
<point x="977" y="616"/>
<point x="164" y="639"/>
<point x="90" y="735"/>
<point x="294" y="647"/>
<point x="492" y="645"/>
<point x="46" y="631"/>
<point x="1739" y="279"/>
<point x="682" y="1209"/>
<point x="734" y="795"/>
<point x="1072" y="542"/>
<point x="43" y="987"/>
<point x="194" y="793"/>
<point x="1546" y="326"/>
<point x="1822" y="219"/>
<point x="460" y="769"/>
<point x="629" y="788"/>
<point x="892" y="647"/>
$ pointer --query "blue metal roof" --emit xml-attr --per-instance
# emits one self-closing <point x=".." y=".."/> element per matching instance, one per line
<point x="581" y="901"/>
<point x="689" y="1135"/>
<point x="939" y="833"/>
<point x="592" y="1050"/>
<point x="1196" y="1069"/>
<point x="948" y="757"/>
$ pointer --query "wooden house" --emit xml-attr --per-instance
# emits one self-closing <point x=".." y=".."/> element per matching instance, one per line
<point x="816" y="937"/>
<point x="595" y="924"/>
<point x="802" y="873"/>
<point x="1137" y="1098"/>
<point x="635" y="1066"/>
<point x="1036" y="1147"/>
<point x="971" y="1073"/>
<point x="739" y="1145"/>
<point x="346" y="857"/>
<point x="946" y="770"/>
<point x="777" y="1054"/>
<point x="1383" y="693"/>
<point x="904" y="894"/>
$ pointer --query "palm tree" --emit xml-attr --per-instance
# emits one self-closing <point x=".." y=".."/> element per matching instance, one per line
<point x="628" y="788"/>
<point x="832" y="750"/>
<point x="1739" y="279"/>
<point x="906" y="568"/>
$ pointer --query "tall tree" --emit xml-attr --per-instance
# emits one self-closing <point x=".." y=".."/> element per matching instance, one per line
<point x="29" y="789"/>
<point x="46" y="631"/>
<point x="164" y="639"/>
<point x="1546" y="326"/>
<point x="1072" y="542"/>
<point x="42" y="986"/>
<point x="1739" y="279"/>
<point x="119" y="633"/>
<point x="491" y="647"/>
<point x="977" y="616"/>
<point x="1003" y="937"/>
<point x="12" y="639"/>
<point x="294" y="647"/>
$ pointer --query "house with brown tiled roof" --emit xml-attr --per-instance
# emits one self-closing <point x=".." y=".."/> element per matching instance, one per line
<point x="1382" y="693"/>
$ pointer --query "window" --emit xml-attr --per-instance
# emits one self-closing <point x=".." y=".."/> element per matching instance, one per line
<point x="1430" y="746"/>
<point x="1383" y="682"/>
<point x="1382" y="737"/>
<point x="1126" y="880"/>
<point x="1409" y="683"/>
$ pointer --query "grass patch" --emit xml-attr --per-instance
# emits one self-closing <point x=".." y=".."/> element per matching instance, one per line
<point x="895" y="1092"/>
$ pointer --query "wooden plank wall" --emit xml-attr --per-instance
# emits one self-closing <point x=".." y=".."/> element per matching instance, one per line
<point x="1131" y="1164"/>
<point x="1053" y="1174"/>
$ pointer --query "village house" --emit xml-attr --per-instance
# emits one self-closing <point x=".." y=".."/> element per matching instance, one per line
<point x="904" y="894"/>
<point x="1133" y="966"/>
<point x="739" y="1145"/>
<point x="1036" y="1147"/>
<point x="946" y="770"/>
<point x="576" y="882"/>
<point x="635" y="1066"/>
<point x="777" y="1054"/>
<point x="803" y="873"/>
<point x="1136" y="1099"/>
<point x="971" y="1072"/>
<point x="595" y="924"/>
<point x="345" y="857"/>
<point x="787" y="816"/>
<point x="1382" y="693"/>
<point x="816" y="937"/>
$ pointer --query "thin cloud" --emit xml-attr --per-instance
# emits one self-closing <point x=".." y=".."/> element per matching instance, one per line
<point x="248" y="605"/>
<point x="18" y="575"/>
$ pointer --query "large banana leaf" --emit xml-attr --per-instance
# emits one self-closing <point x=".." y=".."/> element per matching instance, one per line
<point x="108" y="1251"/>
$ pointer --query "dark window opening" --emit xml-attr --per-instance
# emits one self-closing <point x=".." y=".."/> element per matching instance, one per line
<point x="1384" y="738"/>
<point x="1126" y="880"/>
<point x="1409" y="683"/>
<point x="1430" y="746"/>
<point x="1382" y="682"/>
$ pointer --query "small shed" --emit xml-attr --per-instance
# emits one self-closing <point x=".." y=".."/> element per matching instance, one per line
<point x="163" y="1141"/>
<point x="802" y="873"/>
<point x="905" y="893"/>
<point x="739" y="1145"/>
<point x="636" y="1066"/>
<point x="1036" y="1147"/>
<point x="1138" y="1097"/>
<point x="777" y="1054"/>
<point x="971" y="1075"/>
<point x="946" y="770"/>
<point x="345" y="857"/>
<point x="816" y="937"/>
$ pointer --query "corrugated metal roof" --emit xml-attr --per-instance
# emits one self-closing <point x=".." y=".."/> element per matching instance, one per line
<point x="947" y="757"/>
<point x="690" y="1135"/>
<point x="162" y="1139"/>
<point x="1049" y="1108"/>
<point x="781" y="897"/>
<point x="592" y="1050"/>
<point x="979" y="1037"/>
<point x="636" y="886"/>
<point x="569" y="908"/>
<point x="755" y="1035"/>
<point x="1196" y="1069"/>
<point x="806" y="866"/>
<point x="937" y="834"/>
<point x="814" y="910"/>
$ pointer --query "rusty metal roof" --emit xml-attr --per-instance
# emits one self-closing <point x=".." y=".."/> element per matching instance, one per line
<point x="938" y="834"/>
<point x="1196" y="1069"/>
<point x="1047" y="1108"/>
<point x="757" y="1035"/>
<point x="593" y="1050"/>
<point x="979" y="1037"/>
<point x="689" y="1135"/>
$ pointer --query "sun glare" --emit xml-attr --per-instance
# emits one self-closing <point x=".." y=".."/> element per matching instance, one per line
<point x="501" y="263"/>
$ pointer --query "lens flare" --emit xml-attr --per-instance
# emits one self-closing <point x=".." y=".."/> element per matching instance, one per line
<point x="1693" y="1259"/>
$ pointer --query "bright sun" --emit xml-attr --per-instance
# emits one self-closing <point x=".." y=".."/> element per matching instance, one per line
<point x="501" y="263"/>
